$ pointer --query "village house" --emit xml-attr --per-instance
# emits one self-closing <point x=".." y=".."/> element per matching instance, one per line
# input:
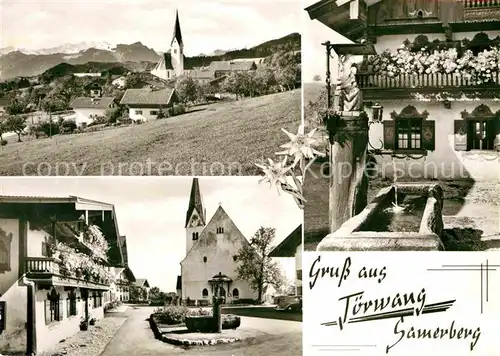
<point x="225" y="68"/>
<point x="211" y="249"/>
<point x="122" y="279"/>
<point x="87" y="109"/>
<point x="292" y="246"/>
<point x="433" y="95"/>
<point x="145" y="104"/>
<point x="54" y="270"/>
<point x="143" y="285"/>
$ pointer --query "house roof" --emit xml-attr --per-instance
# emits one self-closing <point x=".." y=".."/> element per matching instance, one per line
<point x="288" y="247"/>
<point x="195" y="202"/>
<point x="203" y="74"/>
<point x="141" y="282"/>
<point x="76" y="205"/>
<point x="87" y="103"/>
<point x="231" y="65"/>
<point x="147" y="96"/>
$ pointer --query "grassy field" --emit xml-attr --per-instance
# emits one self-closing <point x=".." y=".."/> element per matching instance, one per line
<point x="222" y="139"/>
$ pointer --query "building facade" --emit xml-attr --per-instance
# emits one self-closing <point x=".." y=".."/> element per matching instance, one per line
<point x="211" y="249"/>
<point x="434" y="83"/>
<point x="44" y="294"/>
<point x="291" y="247"/>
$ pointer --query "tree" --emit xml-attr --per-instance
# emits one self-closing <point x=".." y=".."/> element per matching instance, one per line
<point x="17" y="124"/>
<point x="255" y="266"/>
<point x="17" y="107"/>
<point x="317" y="78"/>
<point x="134" y="81"/>
<point x="187" y="89"/>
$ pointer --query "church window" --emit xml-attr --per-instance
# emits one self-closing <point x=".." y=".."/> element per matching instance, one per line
<point x="236" y="293"/>
<point x="235" y="258"/>
<point x="205" y="293"/>
<point x="220" y="230"/>
<point x="195" y="236"/>
<point x="205" y="259"/>
<point x="175" y="50"/>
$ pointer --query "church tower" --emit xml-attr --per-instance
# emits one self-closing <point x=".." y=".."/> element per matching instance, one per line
<point x="195" y="217"/>
<point x="177" y="48"/>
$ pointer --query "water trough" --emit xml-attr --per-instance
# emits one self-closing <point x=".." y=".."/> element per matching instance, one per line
<point x="402" y="217"/>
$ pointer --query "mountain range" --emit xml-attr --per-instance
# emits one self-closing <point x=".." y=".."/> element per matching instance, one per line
<point x="28" y="63"/>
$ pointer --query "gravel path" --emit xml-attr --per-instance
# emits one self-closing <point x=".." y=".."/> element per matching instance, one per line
<point x="91" y="342"/>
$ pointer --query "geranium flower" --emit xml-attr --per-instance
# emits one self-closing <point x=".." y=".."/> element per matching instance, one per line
<point x="274" y="172"/>
<point x="300" y="145"/>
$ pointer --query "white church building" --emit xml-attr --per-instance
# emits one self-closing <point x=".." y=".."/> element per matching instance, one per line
<point x="211" y="249"/>
<point x="171" y="64"/>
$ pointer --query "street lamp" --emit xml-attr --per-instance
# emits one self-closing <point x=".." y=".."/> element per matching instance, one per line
<point x="377" y="113"/>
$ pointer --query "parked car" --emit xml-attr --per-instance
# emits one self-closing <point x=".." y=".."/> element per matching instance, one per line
<point x="290" y="303"/>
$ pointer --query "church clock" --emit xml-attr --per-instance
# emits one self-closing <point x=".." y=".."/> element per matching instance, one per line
<point x="194" y="221"/>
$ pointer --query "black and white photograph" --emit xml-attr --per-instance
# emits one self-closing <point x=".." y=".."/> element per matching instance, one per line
<point x="146" y="87"/>
<point x="149" y="266"/>
<point x="401" y="101"/>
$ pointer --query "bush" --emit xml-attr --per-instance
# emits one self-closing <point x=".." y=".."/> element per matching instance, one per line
<point x="177" y="314"/>
<point x="112" y="305"/>
<point x="48" y="128"/>
<point x="177" y="110"/>
<point x="67" y="126"/>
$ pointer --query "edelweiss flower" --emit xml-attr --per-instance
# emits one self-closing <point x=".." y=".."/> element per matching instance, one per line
<point x="300" y="145"/>
<point x="274" y="172"/>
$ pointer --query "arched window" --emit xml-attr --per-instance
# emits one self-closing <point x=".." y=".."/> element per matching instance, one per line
<point x="205" y="259"/>
<point x="235" y="258"/>
<point x="5" y="242"/>
<point x="205" y="293"/>
<point x="53" y="307"/>
<point x="220" y="230"/>
<point x="195" y="236"/>
<point x="236" y="293"/>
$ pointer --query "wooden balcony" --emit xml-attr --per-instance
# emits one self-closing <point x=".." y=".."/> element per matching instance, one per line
<point x="42" y="265"/>
<point x="48" y="271"/>
<point x="382" y="86"/>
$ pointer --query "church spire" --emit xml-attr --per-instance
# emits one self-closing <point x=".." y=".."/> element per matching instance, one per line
<point x="195" y="202"/>
<point x="177" y="30"/>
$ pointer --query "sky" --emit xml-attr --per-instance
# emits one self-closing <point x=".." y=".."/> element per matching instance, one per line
<point x="151" y="212"/>
<point x="314" y="33"/>
<point x="206" y="25"/>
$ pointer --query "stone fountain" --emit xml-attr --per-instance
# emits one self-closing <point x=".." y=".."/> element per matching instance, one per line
<point x="216" y="322"/>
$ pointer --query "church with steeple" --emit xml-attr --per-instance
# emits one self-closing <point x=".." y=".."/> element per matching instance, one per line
<point x="211" y="249"/>
<point x="172" y="64"/>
